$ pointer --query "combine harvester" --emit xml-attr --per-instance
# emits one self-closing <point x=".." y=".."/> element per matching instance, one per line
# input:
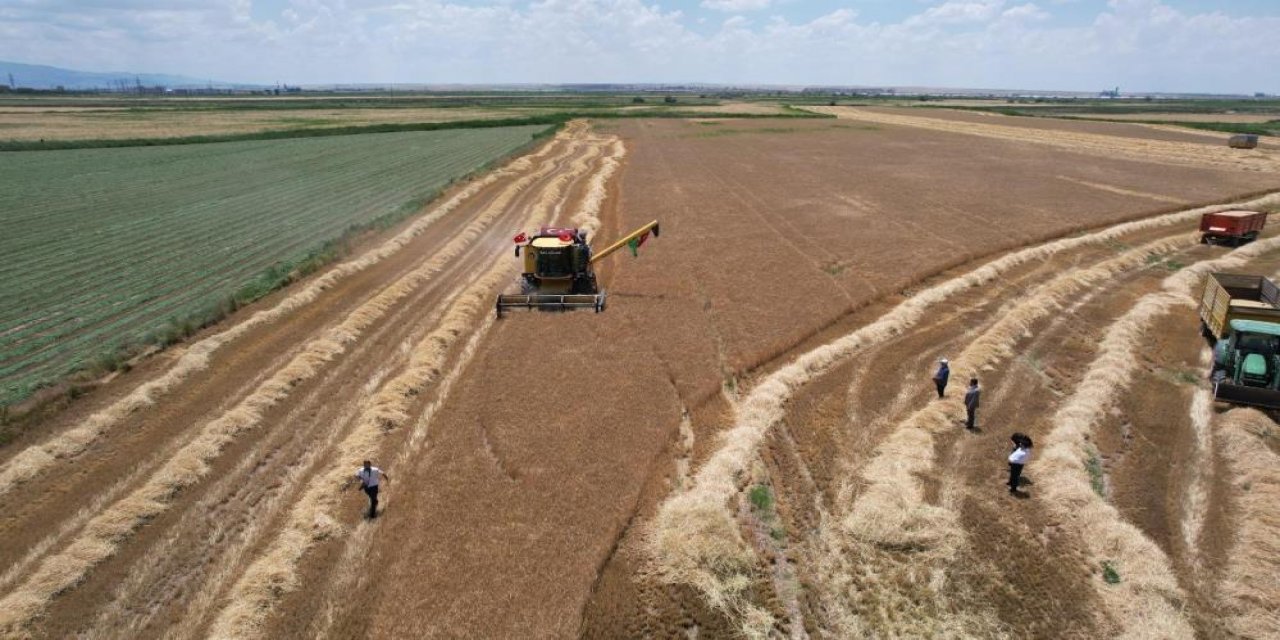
<point x="559" y="269"/>
<point x="1242" y="314"/>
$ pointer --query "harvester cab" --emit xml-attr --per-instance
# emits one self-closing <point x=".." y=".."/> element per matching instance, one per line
<point x="558" y="269"/>
<point x="1246" y="364"/>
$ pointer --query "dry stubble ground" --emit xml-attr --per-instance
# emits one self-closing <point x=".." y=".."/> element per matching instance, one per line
<point x="40" y="123"/>
<point x="796" y="229"/>
<point x="523" y="508"/>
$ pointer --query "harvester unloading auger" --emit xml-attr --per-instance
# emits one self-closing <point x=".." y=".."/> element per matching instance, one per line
<point x="558" y="269"/>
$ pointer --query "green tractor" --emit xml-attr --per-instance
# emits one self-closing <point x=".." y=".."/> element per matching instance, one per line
<point x="1246" y="364"/>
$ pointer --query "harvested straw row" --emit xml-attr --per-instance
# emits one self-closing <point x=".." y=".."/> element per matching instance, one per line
<point x="693" y="538"/>
<point x="1195" y="502"/>
<point x="867" y="591"/>
<point x="222" y="569"/>
<point x="1155" y="151"/>
<point x="104" y="532"/>
<point x="313" y="516"/>
<point x="348" y="569"/>
<point x="22" y="567"/>
<point x="35" y="459"/>
<point x="905" y="533"/>
<point x="1250" y="591"/>
<point x="1147" y="603"/>
<point x="587" y="218"/>
<point x="891" y="511"/>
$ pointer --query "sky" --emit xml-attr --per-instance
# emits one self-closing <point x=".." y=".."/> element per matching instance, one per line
<point x="1080" y="45"/>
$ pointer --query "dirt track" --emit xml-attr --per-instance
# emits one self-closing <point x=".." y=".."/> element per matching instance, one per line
<point x="559" y="475"/>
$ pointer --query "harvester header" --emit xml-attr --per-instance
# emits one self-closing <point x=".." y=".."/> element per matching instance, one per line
<point x="559" y="268"/>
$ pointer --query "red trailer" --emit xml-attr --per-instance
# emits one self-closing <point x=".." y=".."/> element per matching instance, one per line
<point x="1231" y="227"/>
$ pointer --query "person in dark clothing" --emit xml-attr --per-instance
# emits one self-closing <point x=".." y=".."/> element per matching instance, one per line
<point x="370" y="478"/>
<point x="972" y="398"/>
<point x="940" y="378"/>
<point x="1018" y="459"/>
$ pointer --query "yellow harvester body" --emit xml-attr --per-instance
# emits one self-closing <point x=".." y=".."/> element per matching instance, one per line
<point x="559" y="269"/>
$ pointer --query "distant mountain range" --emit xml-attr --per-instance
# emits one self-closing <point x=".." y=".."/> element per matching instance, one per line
<point x="38" y="76"/>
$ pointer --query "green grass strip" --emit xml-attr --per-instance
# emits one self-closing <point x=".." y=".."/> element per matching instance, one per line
<point x="114" y="351"/>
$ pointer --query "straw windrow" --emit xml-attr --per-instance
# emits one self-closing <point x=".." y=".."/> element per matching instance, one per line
<point x="35" y="459"/>
<point x="314" y="517"/>
<point x="694" y="539"/>
<point x="104" y="532"/>
<point x="890" y="526"/>
<point x="1250" y="589"/>
<point x="1147" y="603"/>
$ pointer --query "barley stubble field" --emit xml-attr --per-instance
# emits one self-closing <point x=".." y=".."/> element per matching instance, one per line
<point x="744" y="444"/>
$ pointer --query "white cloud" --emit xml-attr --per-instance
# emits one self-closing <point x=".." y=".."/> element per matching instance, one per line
<point x="1138" y="44"/>
<point x="735" y="6"/>
<point x="960" y="12"/>
<point x="1028" y="12"/>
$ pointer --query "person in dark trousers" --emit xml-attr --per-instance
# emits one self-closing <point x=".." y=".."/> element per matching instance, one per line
<point x="370" y="478"/>
<point x="940" y="378"/>
<point x="972" y="398"/>
<point x="1018" y="459"/>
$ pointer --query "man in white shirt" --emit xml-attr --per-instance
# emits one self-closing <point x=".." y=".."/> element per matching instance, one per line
<point x="1017" y="459"/>
<point x="370" y="477"/>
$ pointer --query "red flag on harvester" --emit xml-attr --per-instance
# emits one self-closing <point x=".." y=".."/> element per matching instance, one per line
<point x="635" y="243"/>
<point x="520" y="238"/>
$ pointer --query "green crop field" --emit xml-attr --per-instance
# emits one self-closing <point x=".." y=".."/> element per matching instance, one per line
<point x="105" y="248"/>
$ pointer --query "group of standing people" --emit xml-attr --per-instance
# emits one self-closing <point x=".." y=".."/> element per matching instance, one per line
<point x="972" y="400"/>
<point x="371" y="477"/>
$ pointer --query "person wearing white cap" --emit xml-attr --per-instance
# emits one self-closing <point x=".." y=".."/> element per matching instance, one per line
<point x="940" y="378"/>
